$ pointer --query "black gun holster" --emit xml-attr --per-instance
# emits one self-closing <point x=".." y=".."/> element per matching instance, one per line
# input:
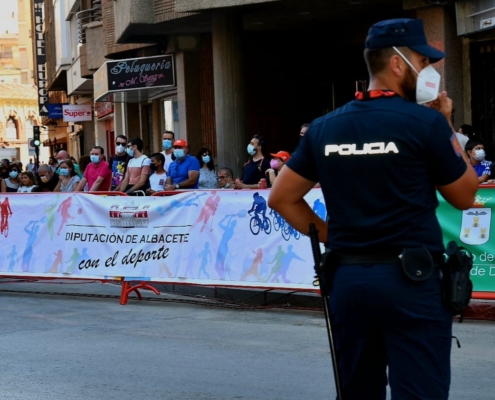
<point x="326" y="271"/>
<point x="457" y="285"/>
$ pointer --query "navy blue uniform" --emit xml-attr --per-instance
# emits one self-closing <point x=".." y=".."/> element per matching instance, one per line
<point x="378" y="162"/>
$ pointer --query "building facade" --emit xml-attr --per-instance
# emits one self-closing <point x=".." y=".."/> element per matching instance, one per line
<point x="242" y="67"/>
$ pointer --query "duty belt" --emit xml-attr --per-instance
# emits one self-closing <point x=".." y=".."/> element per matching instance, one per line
<point x="347" y="259"/>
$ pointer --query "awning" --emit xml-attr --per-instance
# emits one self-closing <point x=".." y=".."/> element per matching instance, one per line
<point x="134" y="80"/>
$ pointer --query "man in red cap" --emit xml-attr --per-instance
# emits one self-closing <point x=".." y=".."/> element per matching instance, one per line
<point x="183" y="173"/>
<point x="276" y="164"/>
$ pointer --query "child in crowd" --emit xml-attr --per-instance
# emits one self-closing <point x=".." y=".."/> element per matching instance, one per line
<point x="476" y="152"/>
<point x="28" y="182"/>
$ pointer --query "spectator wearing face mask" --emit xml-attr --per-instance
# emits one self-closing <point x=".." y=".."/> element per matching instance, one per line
<point x="168" y="139"/>
<point x="97" y="175"/>
<point x="475" y="149"/>
<point x="138" y="169"/>
<point x="118" y="162"/>
<point x="276" y="164"/>
<point x="255" y="168"/>
<point x="207" y="174"/>
<point x="184" y="171"/>
<point x="48" y="180"/>
<point x="158" y="178"/>
<point x="11" y="184"/>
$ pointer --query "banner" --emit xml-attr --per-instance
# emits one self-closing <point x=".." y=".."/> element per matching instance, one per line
<point x="199" y="237"/>
<point x="472" y="229"/>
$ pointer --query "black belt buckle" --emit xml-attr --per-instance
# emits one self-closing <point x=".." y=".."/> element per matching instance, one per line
<point x="417" y="263"/>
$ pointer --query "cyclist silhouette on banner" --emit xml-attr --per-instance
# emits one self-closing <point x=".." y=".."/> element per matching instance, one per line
<point x="6" y="212"/>
<point x="320" y="209"/>
<point x="259" y="207"/>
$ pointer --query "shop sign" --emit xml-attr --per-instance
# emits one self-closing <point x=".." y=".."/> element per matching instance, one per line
<point x="103" y="108"/>
<point x="138" y="73"/>
<point x="39" y="42"/>
<point x="77" y="112"/>
<point x="55" y="111"/>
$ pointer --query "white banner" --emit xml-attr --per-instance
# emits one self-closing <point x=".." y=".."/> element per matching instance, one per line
<point x="199" y="237"/>
<point x="77" y="112"/>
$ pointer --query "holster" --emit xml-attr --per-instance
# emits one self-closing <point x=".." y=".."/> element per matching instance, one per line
<point x="326" y="271"/>
<point x="457" y="284"/>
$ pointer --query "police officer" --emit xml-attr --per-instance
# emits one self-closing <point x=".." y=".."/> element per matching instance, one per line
<point x="397" y="153"/>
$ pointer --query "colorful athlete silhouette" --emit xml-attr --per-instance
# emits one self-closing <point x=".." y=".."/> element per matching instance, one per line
<point x="223" y="248"/>
<point x="50" y="211"/>
<point x="64" y="212"/>
<point x="208" y="211"/>
<point x="179" y="204"/>
<point x="206" y="258"/>
<point x="191" y="260"/>
<point x="56" y="263"/>
<point x="320" y="209"/>
<point x="12" y="259"/>
<point x="32" y="229"/>
<point x="286" y="260"/>
<point x="278" y="262"/>
<point x="6" y="213"/>
<point x="253" y="270"/>
<point x="73" y="261"/>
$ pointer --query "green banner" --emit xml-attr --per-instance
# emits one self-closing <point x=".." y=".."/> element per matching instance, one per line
<point x="471" y="229"/>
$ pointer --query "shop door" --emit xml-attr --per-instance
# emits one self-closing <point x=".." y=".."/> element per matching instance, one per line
<point x="483" y="93"/>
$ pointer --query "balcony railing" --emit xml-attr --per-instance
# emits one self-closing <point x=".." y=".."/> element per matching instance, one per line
<point x="85" y="17"/>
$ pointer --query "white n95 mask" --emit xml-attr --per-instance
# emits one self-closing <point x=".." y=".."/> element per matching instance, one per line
<point x="427" y="84"/>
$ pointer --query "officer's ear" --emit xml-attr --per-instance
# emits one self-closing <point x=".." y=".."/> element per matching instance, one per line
<point x="397" y="65"/>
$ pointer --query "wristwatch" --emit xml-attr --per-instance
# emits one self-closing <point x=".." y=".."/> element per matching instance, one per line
<point x="177" y="186"/>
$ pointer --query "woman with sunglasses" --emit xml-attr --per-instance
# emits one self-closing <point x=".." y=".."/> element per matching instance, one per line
<point x="11" y="184"/>
<point x="207" y="175"/>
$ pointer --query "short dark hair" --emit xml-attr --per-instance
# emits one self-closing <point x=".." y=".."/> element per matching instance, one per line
<point x="121" y="137"/>
<point x="137" y="142"/>
<point x="228" y="170"/>
<point x="99" y="148"/>
<point x="261" y="140"/>
<point x="173" y="134"/>
<point x="12" y="166"/>
<point x="199" y="156"/>
<point x="377" y="59"/>
<point x="159" y="157"/>
<point x="472" y="143"/>
<point x="467" y="130"/>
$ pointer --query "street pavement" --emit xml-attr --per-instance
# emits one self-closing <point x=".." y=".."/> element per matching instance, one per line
<point x="58" y="343"/>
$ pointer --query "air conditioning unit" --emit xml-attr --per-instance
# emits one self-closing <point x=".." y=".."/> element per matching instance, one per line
<point x="474" y="16"/>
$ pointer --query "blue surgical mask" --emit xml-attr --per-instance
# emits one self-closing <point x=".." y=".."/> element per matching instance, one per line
<point x="130" y="152"/>
<point x="206" y="159"/>
<point x="167" y="144"/>
<point x="64" y="171"/>
<point x="179" y="153"/>
<point x="95" y="159"/>
<point x="251" y="150"/>
<point x="13" y="174"/>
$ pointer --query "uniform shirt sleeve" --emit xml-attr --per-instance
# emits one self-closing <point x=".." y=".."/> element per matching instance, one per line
<point x="303" y="160"/>
<point x="444" y="153"/>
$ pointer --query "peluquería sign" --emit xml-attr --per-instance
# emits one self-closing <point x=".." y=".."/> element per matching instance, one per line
<point x="141" y="73"/>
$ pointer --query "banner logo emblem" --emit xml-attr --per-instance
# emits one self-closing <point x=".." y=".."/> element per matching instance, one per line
<point x="475" y="228"/>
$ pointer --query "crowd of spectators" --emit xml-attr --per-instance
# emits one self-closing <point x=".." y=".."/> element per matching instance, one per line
<point x="131" y="171"/>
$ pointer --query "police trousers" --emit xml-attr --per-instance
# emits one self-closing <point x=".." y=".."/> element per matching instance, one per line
<point x="381" y="320"/>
